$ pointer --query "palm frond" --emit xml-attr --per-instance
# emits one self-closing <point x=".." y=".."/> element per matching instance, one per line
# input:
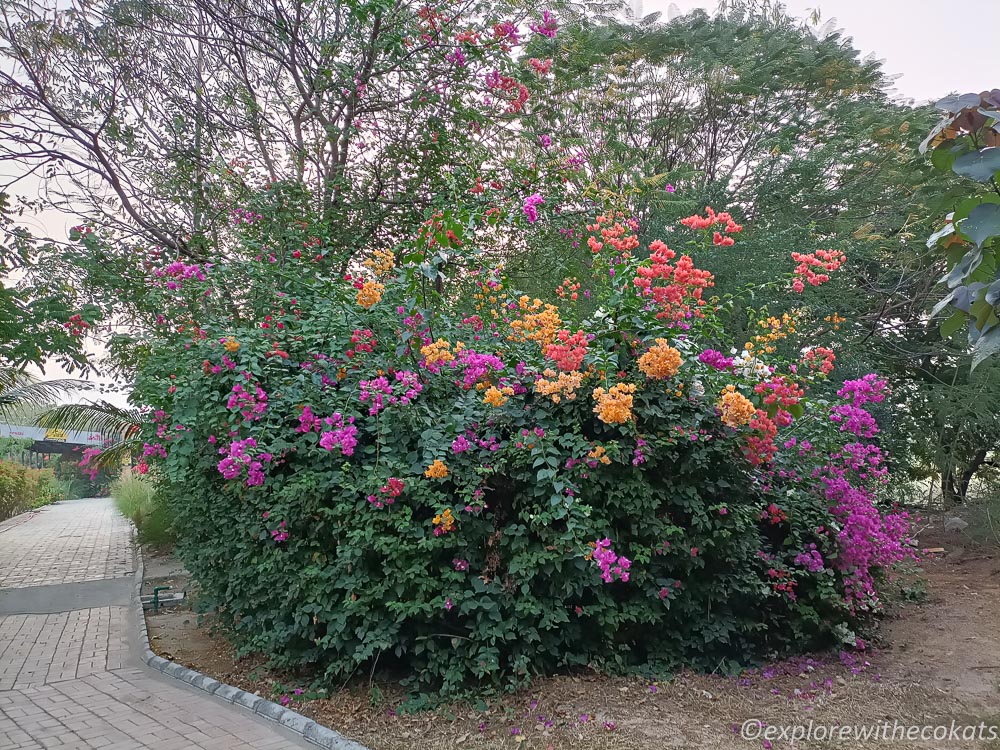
<point x="117" y="455"/>
<point x="114" y="423"/>
<point x="20" y="391"/>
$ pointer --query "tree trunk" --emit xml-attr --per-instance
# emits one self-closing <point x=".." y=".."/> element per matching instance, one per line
<point x="955" y="484"/>
<point x="970" y="471"/>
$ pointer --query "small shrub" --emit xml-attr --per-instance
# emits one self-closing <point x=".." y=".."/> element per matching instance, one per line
<point x="136" y="499"/>
<point x="23" y="489"/>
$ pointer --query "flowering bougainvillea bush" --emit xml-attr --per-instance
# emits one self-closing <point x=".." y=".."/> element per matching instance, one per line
<point x="370" y="468"/>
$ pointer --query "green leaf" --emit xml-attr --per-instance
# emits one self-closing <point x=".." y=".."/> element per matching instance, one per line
<point x="983" y="223"/>
<point x="993" y="293"/>
<point x="955" y="103"/>
<point x="946" y="230"/>
<point x="987" y="345"/>
<point x="943" y="158"/>
<point x="965" y="296"/>
<point x="978" y="165"/>
<point x="970" y="261"/>
<point x="952" y="324"/>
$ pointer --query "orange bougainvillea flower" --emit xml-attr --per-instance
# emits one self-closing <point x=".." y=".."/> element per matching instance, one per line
<point x="540" y="323"/>
<point x="444" y="522"/>
<point x="380" y="263"/>
<point x="436" y="470"/>
<point x="497" y="397"/>
<point x="438" y="351"/>
<point x="370" y="294"/>
<point x="231" y="345"/>
<point x="660" y="361"/>
<point x="681" y="295"/>
<point x="697" y="222"/>
<point x="736" y="408"/>
<point x="827" y="260"/>
<point x="599" y="453"/>
<point x="614" y="406"/>
<point x="559" y="386"/>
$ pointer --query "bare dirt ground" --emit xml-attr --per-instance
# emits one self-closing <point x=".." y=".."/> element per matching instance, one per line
<point x="937" y="662"/>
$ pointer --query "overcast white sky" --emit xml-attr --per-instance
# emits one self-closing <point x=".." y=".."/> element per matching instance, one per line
<point x="938" y="47"/>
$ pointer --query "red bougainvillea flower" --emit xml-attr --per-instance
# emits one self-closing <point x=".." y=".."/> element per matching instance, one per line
<point x="541" y="67"/>
<point x="826" y="260"/>
<point x="681" y="296"/>
<point x="568" y="354"/>
<point x="712" y="218"/>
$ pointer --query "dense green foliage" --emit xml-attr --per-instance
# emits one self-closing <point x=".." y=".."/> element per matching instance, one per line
<point x="23" y="489"/>
<point x="456" y="527"/>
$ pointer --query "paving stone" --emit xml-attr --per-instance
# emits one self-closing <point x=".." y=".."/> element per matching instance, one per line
<point x="69" y="680"/>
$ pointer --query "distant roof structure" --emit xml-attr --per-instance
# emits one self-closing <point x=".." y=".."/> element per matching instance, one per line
<point x="52" y="440"/>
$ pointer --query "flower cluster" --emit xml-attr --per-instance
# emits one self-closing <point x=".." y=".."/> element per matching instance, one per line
<point x="251" y="403"/>
<point x="615" y="234"/>
<point x="599" y="454"/>
<point x="735" y="409"/>
<point x="437" y="470"/>
<point x="497" y="397"/>
<point x="871" y="389"/>
<point x="516" y="93"/>
<point x="569" y="351"/>
<point x="380" y="263"/>
<point x="476" y="366"/>
<point x="280" y="534"/>
<point x="559" y="386"/>
<point x="715" y="359"/>
<point x="614" y="406"/>
<point x="363" y="341"/>
<point x="810" y="559"/>
<point x="828" y="260"/>
<point x="90" y="469"/>
<point x="778" y="389"/>
<point x="444" y="522"/>
<point x="712" y="218"/>
<point x="612" y="566"/>
<point x="404" y="390"/>
<point x="343" y="435"/>
<point x="369" y="293"/>
<point x="531" y="204"/>
<point x="437" y="352"/>
<point x="569" y="288"/>
<point x="237" y="458"/>
<point x="820" y="358"/>
<point x="660" y="361"/>
<point x="388" y="493"/>
<point x="539" y="323"/>
<point x="76" y="325"/>
<point x="546" y="27"/>
<point x="680" y="287"/>
<point x="541" y="67"/>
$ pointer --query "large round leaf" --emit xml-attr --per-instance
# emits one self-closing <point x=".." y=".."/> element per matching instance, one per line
<point x="983" y="223"/>
<point x="978" y="165"/>
<point x="987" y="345"/>
<point x="958" y="102"/>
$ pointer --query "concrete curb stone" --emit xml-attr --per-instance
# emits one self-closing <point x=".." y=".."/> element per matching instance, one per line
<point x="295" y="722"/>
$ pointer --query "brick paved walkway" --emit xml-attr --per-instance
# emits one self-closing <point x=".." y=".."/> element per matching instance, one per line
<point x="70" y="679"/>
